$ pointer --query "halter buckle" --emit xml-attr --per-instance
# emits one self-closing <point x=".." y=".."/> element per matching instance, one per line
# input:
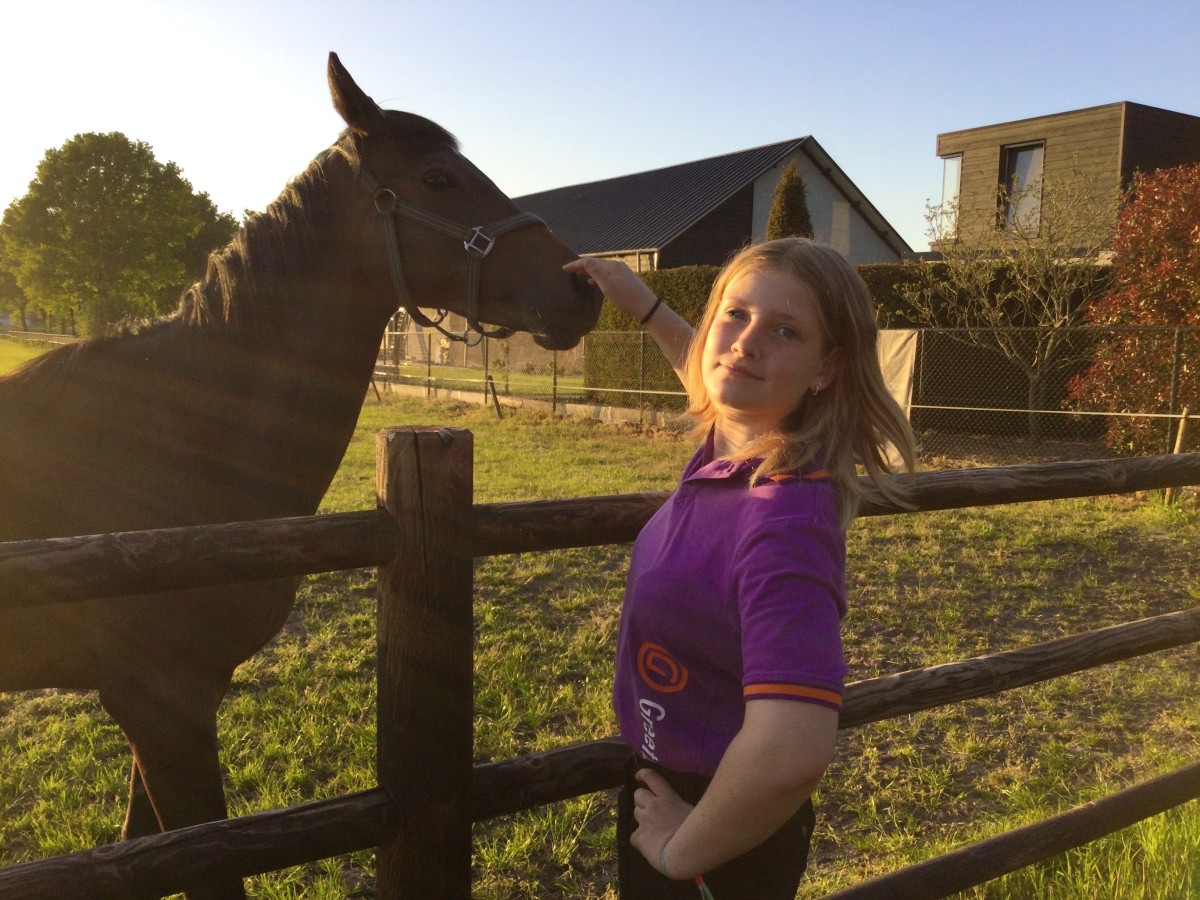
<point x="474" y="242"/>
<point x="385" y="201"/>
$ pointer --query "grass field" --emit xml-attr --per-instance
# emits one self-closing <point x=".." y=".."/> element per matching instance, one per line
<point x="13" y="354"/>
<point x="924" y="589"/>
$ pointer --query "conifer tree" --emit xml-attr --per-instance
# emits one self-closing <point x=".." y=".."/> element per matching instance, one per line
<point x="789" y="207"/>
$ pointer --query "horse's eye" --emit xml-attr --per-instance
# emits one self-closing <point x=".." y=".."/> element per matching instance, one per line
<point x="436" y="180"/>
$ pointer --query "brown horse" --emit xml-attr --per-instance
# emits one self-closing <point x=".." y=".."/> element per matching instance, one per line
<point x="240" y="406"/>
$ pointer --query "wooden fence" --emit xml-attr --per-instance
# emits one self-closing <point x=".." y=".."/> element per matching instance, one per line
<point x="424" y="539"/>
<point x="40" y="337"/>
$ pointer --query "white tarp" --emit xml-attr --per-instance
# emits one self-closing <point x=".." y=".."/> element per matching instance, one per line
<point x="898" y="358"/>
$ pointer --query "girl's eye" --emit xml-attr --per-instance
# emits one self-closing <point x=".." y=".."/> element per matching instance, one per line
<point x="787" y="332"/>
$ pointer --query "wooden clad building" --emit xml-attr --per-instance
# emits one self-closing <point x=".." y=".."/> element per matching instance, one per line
<point x="1108" y="142"/>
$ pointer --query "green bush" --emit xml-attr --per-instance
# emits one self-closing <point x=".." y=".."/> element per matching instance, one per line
<point x="789" y="207"/>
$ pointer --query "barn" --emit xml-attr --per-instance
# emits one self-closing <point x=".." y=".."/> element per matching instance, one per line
<point x="698" y="213"/>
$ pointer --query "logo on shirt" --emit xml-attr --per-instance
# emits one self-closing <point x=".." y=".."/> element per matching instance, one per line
<point x="659" y="670"/>
<point x="651" y="712"/>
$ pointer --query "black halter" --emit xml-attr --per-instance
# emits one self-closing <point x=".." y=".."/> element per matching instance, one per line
<point x="477" y="242"/>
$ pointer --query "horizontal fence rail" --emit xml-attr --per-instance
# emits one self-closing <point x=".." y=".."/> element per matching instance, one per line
<point x="44" y="571"/>
<point x="966" y="867"/>
<point x="562" y="773"/>
<point x="249" y="845"/>
<point x="54" y="570"/>
<point x="40" y="337"/>
<point x="140" y="562"/>
<point x="262" y="842"/>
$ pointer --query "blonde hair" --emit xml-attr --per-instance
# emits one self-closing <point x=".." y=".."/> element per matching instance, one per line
<point x="852" y="421"/>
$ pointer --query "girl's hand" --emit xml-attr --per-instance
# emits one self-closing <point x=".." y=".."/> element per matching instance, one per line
<point x="659" y="812"/>
<point x="629" y="294"/>
<point x="618" y="283"/>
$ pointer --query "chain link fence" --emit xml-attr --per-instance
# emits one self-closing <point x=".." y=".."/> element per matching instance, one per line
<point x="621" y="371"/>
<point x="1054" y="393"/>
<point x="416" y="357"/>
<point x="992" y="395"/>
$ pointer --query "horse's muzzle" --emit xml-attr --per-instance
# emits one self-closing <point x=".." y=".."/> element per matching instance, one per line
<point x="566" y="334"/>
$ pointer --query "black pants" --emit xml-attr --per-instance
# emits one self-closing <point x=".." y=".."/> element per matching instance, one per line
<point x="771" y="871"/>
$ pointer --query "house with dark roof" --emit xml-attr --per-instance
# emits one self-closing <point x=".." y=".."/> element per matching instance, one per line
<point x="701" y="212"/>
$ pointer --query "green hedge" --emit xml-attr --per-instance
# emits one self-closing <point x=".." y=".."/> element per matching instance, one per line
<point x="629" y="364"/>
<point x="624" y="359"/>
<point x="629" y="360"/>
<point x="620" y="361"/>
<point x="885" y="282"/>
<point x="686" y="291"/>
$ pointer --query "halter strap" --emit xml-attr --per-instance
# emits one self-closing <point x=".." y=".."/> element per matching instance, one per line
<point x="478" y="242"/>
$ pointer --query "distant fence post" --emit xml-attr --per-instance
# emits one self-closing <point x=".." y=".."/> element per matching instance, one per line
<point x="1181" y="444"/>
<point x="643" y="338"/>
<point x="554" y="383"/>
<point x="1174" y="396"/>
<point x="424" y="709"/>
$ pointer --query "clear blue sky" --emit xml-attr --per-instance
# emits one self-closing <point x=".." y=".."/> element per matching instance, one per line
<point x="547" y="93"/>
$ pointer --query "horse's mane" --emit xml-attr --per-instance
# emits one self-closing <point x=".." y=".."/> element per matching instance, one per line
<point x="243" y="282"/>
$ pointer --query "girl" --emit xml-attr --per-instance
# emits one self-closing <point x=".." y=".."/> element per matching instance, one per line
<point x="729" y="667"/>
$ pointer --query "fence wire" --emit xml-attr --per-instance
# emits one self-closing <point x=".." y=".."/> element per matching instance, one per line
<point x="1000" y="395"/>
<point x="619" y="369"/>
<point x="1055" y="392"/>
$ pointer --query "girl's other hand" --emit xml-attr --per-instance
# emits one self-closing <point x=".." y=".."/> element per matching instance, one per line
<point x="659" y="812"/>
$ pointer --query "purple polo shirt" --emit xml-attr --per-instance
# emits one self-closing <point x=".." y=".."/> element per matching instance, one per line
<point x="734" y="593"/>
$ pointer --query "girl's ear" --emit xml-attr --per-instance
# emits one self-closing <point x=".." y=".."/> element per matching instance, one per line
<point x="829" y="368"/>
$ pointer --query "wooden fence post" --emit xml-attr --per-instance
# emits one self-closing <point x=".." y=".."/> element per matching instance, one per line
<point x="1181" y="439"/>
<point x="424" y="479"/>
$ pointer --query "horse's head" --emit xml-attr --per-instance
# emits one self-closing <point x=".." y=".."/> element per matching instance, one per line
<point x="418" y="183"/>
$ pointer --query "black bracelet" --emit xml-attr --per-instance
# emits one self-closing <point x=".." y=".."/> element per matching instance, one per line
<point x="653" y="310"/>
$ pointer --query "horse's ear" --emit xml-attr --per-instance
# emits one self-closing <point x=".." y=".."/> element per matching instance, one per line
<point x="360" y="112"/>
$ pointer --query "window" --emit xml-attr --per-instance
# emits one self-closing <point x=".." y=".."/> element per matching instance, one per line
<point x="947" y="225"/>
<point x="1021" y="186"/>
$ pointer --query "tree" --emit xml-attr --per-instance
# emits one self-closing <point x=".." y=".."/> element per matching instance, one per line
<point x="789" y="207"/>
<point x="107" y="232"/>
<point x="13" y="300"/>
<point x="1156" y="282"/>
<point x="1019" y="288"/>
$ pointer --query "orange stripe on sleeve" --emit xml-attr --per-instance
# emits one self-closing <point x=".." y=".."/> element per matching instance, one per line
<point x="798" y="691"/>
<point x="782" y="477"/>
